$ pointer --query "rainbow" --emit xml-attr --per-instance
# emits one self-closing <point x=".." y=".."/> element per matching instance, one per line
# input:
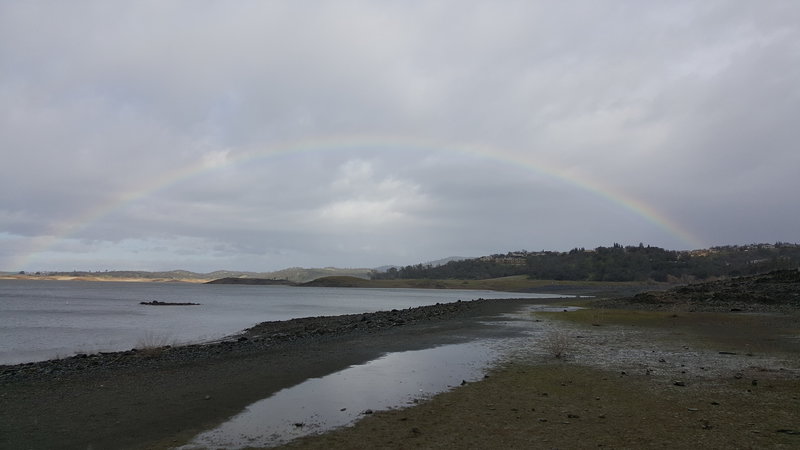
<point x="169" y="178"/>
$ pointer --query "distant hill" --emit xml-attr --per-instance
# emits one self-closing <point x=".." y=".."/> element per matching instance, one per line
<point x="443" y="261"/>
<point x="617" y="264"/>
<point x="290" y="275"/>
<point x="339" y="281"/>
<point x="436" y="263"/>
<point x="300" y="275"/>
<point x="252" y="281"/>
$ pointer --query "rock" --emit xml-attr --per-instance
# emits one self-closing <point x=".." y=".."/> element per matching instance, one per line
<point x="368" y="411"/>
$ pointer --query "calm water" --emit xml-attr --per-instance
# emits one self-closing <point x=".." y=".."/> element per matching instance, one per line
<point x="48" y="319"/>
<point x="341" y="398"/>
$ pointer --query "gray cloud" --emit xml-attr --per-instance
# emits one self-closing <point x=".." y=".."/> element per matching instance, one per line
<point x="485" y="127"/>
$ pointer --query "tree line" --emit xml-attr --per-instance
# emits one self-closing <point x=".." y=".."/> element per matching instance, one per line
<point x="615" y="263"/>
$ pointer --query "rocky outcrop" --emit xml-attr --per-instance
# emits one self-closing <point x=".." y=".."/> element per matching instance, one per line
<point x="777" y="291"/>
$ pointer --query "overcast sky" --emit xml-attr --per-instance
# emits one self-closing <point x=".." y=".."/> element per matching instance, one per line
<point x="258" y="135"/>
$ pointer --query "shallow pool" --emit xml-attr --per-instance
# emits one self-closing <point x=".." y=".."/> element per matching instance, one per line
<point x="340" y="399"/>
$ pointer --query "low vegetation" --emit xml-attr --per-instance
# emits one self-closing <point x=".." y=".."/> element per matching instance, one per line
<point x="152" y="344"/>
<point x="557" y="343"/>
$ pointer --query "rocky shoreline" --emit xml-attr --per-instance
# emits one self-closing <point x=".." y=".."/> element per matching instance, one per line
<point x="260" y="337"/>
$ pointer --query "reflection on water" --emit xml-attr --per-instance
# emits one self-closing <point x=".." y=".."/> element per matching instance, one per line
<point x="339" y="399"/>
<point x="550" y="308"/>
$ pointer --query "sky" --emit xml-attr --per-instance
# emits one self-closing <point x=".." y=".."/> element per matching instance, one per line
<point x="260" y="135"/>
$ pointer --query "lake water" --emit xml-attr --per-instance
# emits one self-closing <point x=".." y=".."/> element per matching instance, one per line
<point x="42" y="320"/>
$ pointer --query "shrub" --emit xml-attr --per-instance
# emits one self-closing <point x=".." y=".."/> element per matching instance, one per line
<point x="557" y="343"/>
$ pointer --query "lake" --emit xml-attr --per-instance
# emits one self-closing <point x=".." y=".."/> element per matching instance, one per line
<point x="46" y="319"/>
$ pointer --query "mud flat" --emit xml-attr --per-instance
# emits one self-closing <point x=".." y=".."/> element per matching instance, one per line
<point x="713" y="366"/>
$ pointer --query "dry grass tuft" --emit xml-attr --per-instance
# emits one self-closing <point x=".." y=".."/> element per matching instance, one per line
<point x="557" y="343"/>
<point x="152" y="344"/>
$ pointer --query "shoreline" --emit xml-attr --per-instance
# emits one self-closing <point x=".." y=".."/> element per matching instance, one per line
<point x="629" y="379"/>
<point x="518" y="283"/>
<point x="657" y="353"/>
<point x="268" y="334"/>
<point x="137" y="399"/>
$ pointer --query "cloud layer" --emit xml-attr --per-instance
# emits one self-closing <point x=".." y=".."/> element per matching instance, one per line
<point x="260" y="135"/>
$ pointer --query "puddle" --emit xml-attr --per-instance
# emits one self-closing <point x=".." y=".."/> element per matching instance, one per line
<point x="550" y="308"/>
<point x="321" y="404"/>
